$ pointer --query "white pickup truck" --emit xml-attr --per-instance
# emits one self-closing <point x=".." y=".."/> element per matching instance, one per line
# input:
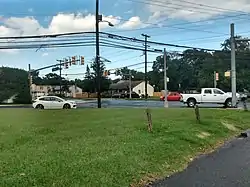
<point x="209" y="95"/>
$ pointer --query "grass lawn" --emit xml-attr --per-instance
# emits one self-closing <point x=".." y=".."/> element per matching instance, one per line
<point x="107" y="147"/>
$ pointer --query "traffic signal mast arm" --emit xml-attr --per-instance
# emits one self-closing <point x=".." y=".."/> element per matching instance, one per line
<point x="64" y="62"/>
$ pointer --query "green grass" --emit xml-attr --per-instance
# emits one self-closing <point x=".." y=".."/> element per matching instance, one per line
<point x="108" y="147"/>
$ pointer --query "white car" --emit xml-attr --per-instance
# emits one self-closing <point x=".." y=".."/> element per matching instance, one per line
<point x="53" y="102"/>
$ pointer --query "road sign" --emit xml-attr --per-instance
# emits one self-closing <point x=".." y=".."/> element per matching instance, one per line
<point x="227" y="74"/>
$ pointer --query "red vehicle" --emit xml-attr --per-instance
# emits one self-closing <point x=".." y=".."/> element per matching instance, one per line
<point x="172" y="96"/>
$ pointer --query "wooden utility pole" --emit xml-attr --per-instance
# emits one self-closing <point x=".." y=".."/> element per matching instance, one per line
<point x="146" y="64"/>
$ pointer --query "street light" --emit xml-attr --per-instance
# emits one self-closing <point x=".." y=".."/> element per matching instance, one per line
<point x="98" y="20"/>
<point x="109" y="23"/>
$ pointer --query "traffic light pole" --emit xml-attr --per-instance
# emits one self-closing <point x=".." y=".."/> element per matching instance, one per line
<point x="98" y="57"/>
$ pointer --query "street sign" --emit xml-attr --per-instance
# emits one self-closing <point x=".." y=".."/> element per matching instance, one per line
<point x="227" y="74"/>
<point x="55" y="69"/>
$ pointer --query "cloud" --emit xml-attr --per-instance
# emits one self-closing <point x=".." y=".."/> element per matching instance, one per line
<point x="60" y="23"/>
<point x="45" y="54"/>
<point x="191" y="10"/>
<point x="129" y="12"/>
<point x="9" y="51"/>
<point x="132" y="23"/>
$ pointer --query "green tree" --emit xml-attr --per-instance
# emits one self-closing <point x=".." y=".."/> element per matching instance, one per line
<point x="105" y="82"/>
<point x="14" y="82"/>
<point x="88" y="83"/>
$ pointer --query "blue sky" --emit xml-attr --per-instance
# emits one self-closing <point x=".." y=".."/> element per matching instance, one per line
<point x="179" y="22"/>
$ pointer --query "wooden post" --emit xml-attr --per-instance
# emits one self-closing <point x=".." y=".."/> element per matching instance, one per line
<point x="197" y="113"/>
<point x="149" y="117"/>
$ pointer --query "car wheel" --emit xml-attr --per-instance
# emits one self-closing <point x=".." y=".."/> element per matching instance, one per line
<point x="228" y="103"/>
<point x="66" y="106"/>
<point x="191" y="103"/>
<point x="40" y="107"/>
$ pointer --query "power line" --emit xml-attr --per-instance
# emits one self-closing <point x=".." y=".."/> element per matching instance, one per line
<point x="119" y="37"/>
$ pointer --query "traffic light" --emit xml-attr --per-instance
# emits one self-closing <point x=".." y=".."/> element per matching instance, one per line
<point x="217" y="76"/>
<point x="66" y="65"/>
<point x="31" y="79"/>
<point x="106" y="73"/>
<point x="73" y="60"/>
<point x="82" y="60"/>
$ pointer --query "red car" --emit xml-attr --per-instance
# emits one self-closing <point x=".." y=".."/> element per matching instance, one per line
<point x="172" y="96"/>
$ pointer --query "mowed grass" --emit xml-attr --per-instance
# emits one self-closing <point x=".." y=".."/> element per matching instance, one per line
<point x="107" y="147"/>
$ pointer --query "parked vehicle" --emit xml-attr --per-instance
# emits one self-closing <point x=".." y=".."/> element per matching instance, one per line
<point x="53" y="102"/>
<point x="133" y="95"/>
<point x="209" y="95"/>
<point x="172" y="96"/>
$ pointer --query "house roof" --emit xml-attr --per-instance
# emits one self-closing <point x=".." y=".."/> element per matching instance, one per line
<point x="124" y="85"/>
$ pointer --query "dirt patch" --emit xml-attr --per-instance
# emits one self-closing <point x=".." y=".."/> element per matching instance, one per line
<point x="203" y="135"/>
<point x="229" y="126"/>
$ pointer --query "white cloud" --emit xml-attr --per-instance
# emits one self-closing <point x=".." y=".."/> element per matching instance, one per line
<point x="129" y="12"/>
<point x="45" y="54"/>
<point x="9" y="51"/>
<point x="60" y="23"/>
<point x="192" y="11"/>
<point x="132" y="23"/>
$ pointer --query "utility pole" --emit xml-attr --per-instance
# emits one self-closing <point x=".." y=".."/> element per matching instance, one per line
<point x="30" y="81"/>
<point x="130" y="85"/>
<point x="165" y="79"/>
<point x="60" y="74"/>
<point x="215" y="79"/>
<point x="146" y="64"/>
<point x="233" y="66"/>
<point x="98" y="56"/>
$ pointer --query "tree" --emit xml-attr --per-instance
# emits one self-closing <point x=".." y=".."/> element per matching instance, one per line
<point x="124" y="73"/>
<point x="88" y="83"/>
<point x="105" y="82"/>
<point x="14" y="83"/>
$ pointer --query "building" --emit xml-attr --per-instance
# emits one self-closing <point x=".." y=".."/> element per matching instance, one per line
<point x="42" y="90"/>
<point x="74" y="91"/>
<point x="138" y="87"/>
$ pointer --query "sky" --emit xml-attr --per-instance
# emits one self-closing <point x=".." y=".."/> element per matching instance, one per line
<point x="203" y="24"/>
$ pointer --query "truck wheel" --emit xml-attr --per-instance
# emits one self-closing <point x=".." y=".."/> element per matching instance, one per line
<point x="228" y="103"/>
<point x="191" y="103"/>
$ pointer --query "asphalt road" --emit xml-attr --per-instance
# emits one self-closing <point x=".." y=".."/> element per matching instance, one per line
<point x="229" y="166"/>
<point x="118" y="103"/>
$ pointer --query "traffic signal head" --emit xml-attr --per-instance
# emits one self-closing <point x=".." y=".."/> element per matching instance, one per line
<point x="66" y="66"/>
<point x="106" y="73"/>
<point x="73" y="60"/>
<point x="82" y="60"/>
